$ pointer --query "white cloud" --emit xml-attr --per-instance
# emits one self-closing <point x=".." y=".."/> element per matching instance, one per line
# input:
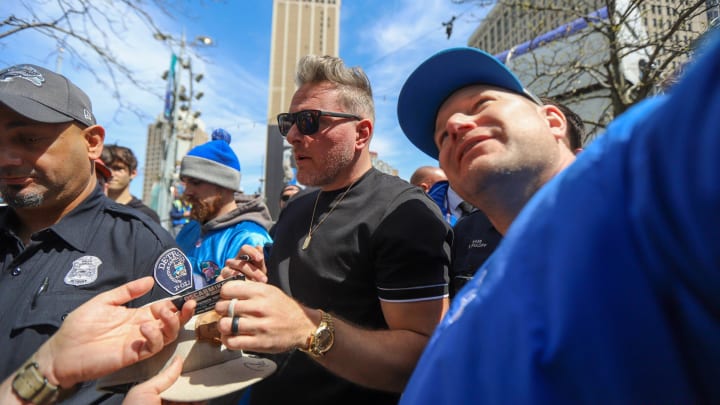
<point x="388" y="42"/>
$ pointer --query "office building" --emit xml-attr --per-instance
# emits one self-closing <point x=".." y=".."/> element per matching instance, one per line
<point x="299" y="28"/>
<point x="559" y="48"/>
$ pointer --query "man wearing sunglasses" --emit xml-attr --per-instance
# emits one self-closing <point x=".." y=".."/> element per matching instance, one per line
<point x="356" y="279"/>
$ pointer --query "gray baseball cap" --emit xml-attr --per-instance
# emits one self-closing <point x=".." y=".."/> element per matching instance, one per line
<point x="44" y="96"/>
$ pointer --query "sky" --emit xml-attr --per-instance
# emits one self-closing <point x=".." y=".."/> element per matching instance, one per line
<point x="387" y="38"/>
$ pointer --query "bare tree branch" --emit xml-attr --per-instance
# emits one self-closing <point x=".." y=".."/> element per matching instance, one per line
<point x="92" y="29"/>
<point x="600" y="63"/>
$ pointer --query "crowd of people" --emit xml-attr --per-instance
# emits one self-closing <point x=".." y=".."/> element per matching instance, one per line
<point x="575" y="277"/>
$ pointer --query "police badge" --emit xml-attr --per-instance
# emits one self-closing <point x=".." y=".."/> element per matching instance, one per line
<point x="84" y="271"/>
<point x="173" y="271"/>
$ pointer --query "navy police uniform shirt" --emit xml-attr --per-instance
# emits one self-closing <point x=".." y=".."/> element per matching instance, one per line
<point x="96" y="247"/>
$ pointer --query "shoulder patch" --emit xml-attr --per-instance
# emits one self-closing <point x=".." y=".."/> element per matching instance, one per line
<point x="173" y="271"/>
<point x="84" y="271"/>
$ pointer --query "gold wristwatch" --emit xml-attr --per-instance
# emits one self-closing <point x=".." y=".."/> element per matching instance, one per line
<point x="321" y="340"/>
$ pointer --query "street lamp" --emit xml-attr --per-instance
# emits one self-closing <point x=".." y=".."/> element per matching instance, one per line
<point x="180" y="118"/>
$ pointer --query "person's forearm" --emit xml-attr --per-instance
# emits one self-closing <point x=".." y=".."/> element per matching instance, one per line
<point x="43" y="358"/>
<point x="378" y="359"/>
<point x="7" y="395"/>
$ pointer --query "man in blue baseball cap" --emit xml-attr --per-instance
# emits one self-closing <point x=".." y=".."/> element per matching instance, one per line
<point x="496" y="141"/>
<point x="605" y="287"/>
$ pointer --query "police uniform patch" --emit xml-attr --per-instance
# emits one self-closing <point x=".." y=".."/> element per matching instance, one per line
<point x="210" y="270"/>
<point x="84" y="271"/>
<point x="173" y="271"/>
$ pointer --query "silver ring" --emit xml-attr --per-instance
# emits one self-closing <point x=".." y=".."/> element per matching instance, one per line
<point x="231" y="308"/>
<point x="235" y="325"/>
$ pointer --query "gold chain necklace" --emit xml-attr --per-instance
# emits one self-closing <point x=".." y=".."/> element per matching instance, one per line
<point x="312" y="229"/>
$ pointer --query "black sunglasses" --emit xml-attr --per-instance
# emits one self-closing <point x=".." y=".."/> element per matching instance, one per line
<point x="285" y="197"/>
<point x="307" y="121"/>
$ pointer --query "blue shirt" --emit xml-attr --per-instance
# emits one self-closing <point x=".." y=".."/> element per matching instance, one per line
<point x="606" y="288"/>
<point x="207" y="253"/>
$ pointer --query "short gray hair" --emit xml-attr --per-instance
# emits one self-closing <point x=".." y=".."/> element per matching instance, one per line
<point x="351" y="83"/>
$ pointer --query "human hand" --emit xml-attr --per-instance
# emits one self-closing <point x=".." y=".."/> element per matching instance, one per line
<point x="148" y="393"/>
<point x="252" y="265"/>
<point x="102" y="336"/>
<point x="269" y="320"/>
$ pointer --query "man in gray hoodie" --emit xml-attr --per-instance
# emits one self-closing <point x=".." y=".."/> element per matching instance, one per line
<point x="223" y="219"/>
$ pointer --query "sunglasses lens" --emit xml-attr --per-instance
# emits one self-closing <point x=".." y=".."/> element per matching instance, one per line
<point x="307" y="122"/>
<point x="285" y="122"/>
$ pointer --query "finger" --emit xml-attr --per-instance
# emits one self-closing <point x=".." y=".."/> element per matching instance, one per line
<point x="239" y="289"/>
<point x="167" y="377"/>
<point x="187" y="312"/>
<point x="127" y="292"/>
<point x="257" y="274"/>
<point x="170" y="326"/>
<point x="256" y="254"/>
<point x="158" y="383"/>
<point x="231" y="269"/>
<point x="154" y="339"/>
<point x="251" y="270"/>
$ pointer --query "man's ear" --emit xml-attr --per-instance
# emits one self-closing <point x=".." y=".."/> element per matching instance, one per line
<point x="95" y="139"/>
<point x="556" y="122"/>
<point x="364" y="130"/>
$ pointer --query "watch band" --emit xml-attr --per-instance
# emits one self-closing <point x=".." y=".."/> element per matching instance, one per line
<point x="30" y="385"/>
<point x="317" y="343"/>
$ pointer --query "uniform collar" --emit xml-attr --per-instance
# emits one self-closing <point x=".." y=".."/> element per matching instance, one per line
<point x="76" y="227"/>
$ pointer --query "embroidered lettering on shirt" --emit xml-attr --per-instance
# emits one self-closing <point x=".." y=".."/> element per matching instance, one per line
<point x="84" y="271"/>
<point x="173" y="271"/>
<point x="477" y="243"/>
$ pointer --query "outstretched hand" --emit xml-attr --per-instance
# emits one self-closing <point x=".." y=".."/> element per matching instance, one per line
<point x="102" y="336"/>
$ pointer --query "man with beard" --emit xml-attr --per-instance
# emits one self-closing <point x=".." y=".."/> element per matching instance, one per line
<point x="123" y="164"/>
<point x="222" y="219"/>
<point x="356" y="279"/>
<point x="62" y="241"/>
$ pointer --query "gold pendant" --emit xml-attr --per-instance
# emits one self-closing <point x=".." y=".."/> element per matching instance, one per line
<point x="306" y="243"/>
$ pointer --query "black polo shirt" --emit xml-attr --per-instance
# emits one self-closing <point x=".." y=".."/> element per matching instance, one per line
<point x="96" y="247"/>
<point x="384" y="241"/>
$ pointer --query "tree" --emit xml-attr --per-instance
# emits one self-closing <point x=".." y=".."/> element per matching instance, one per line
<point x="88" y="31"/>
<point x="597" y="56"/>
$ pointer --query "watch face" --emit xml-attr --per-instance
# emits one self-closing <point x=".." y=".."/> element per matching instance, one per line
<point x="324" y="340"/>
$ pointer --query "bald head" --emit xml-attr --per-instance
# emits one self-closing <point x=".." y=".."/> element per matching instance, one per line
<point x="425" y="176"/>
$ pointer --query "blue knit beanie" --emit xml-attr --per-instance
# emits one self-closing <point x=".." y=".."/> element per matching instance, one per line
<point x="221" y="134"/>
<point x="213" y="162"/>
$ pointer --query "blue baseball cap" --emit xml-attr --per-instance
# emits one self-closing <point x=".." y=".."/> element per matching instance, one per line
<point x="440" y="76"/>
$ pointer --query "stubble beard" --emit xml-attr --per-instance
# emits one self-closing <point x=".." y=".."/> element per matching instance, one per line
<point x="336" y="160"/>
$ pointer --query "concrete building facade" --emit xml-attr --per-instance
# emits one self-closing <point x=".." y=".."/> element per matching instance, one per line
<point x="299" y="28"/>
<point x="190" y="132"/>
<point x="556" y="51"/>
